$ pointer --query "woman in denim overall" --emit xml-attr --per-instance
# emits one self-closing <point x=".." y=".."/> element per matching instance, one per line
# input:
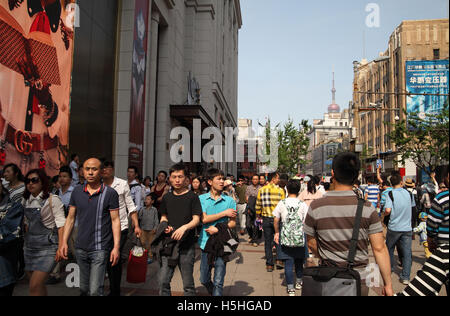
<point x="41" y="243"/>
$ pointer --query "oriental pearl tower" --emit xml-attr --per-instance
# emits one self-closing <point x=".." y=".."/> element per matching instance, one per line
<point x="334" y="108"/>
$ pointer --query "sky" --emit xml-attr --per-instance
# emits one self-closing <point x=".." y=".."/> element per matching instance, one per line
<point x="288" y="50"/>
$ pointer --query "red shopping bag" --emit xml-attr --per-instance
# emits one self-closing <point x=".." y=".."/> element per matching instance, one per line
<point x="137" y="268"/>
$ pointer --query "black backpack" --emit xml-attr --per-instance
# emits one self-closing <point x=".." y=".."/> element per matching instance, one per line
<point x="387" y="218"/>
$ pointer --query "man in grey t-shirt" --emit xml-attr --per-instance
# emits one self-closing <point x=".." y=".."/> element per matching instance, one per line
<point x="330" y="221"/>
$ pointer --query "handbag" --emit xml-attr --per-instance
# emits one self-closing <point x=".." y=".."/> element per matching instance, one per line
<point x="333" y="280"/>
<point x="137" y="265"/>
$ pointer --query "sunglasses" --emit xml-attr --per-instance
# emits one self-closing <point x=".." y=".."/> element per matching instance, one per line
<point x="32" y="180"/>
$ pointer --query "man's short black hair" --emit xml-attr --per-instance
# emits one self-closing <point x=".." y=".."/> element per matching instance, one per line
<point x="163" y="172"/>
<point x="107" y="164"/>
<point x="293" y="187"/>
<point x="272" y="176"/>
<point x="396" y="179"/>
<point x="213" y="172"/>
<point x="346" y="167"/>
<point x="179" y="167"/>
<point x="284" y="177"/>
<point x="73" y="156"/>
<point x="67" y="170"/>
<point x="135" y="169"/>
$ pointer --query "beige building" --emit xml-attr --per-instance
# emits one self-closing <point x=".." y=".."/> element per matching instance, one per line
<point x="327" y="136"/>
<point x="382" y="83"/>
<point x="192" y="73"/>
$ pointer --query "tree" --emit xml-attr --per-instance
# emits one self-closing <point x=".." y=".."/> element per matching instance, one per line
<point x="423" y="139"/>
<point x="293" y="145"/>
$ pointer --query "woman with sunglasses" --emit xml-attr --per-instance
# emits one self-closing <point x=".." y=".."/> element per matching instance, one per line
<point x="11" y="216"/>
<point x="44" y="216"/>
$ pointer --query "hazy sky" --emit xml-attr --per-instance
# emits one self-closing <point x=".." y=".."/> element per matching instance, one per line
<point x="289" y="48"/>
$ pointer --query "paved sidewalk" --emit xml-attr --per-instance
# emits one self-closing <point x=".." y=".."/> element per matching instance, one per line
<point x="246" y="276"/>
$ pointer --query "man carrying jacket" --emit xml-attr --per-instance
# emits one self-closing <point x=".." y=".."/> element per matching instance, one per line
<point x="217" y="208"/>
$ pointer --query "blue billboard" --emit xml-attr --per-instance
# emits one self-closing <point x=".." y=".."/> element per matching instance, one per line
<point x="426" y="77"/>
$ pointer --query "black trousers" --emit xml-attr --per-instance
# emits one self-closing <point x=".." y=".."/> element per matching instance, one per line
<point x="115" y="273"/>
<point x="7" y="291"/>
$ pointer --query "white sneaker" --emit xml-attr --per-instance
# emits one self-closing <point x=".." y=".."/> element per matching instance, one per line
<point x="404" y="282"/>
<point x="291" y="292"/>
<point x="299" y="285"/>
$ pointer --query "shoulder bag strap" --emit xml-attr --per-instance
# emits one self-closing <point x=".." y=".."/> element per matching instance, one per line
<point x="355" y="237"/>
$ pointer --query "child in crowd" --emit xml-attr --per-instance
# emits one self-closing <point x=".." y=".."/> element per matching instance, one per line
<point x="148" y="221"/>
<point x="422" y="230"/>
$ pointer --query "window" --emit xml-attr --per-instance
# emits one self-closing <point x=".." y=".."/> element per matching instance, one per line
<point x="436" y="54"/>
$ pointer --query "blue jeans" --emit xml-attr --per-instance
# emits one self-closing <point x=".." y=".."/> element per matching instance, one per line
<point x="269" y="232"/>
<point x="220" y="269"/>
<point x="92" y="271"/>
<point x="289" y="271"/>
<point x="403" y="240"/>
<point x="186" y="265"/>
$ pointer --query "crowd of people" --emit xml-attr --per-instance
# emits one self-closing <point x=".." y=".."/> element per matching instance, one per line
<point x="88" y="214"/>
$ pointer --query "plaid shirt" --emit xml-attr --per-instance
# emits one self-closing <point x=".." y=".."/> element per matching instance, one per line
<point x="268" y="199"/>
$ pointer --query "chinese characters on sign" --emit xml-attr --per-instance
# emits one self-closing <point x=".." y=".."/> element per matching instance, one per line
<point x="427" y="77"/>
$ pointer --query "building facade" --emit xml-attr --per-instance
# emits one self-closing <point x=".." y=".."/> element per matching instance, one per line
<point x="247" y="141"/>
<point x="188" y="71"/>
<point x="327" y="136"/>
<point x="381" y="85"/>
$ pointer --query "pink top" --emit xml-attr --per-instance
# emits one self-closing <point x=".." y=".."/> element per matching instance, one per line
<point x="308" y="198"/>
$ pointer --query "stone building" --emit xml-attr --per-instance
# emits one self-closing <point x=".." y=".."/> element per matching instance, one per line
<point x="191" y="73"/>
<point x="381" y="85"/>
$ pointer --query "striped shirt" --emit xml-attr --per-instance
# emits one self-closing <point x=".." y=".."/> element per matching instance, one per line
<point x="372" y="193"/>
<point x="437" y="224"/>
<point x="268" y="198"/>
<point x="16" y="194"/>
<point x="330" y="221"/>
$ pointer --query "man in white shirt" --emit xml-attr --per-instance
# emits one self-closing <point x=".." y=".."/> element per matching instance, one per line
<point x="127" y="209"/>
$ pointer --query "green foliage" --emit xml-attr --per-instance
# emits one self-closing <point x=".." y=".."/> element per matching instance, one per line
<point x="293" y="145"/>
<point x="424" y="140"/>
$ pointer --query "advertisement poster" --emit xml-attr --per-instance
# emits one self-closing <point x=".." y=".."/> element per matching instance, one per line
<point x="36" y="52"/>
<point x="427" y="77"/>
<point x="137" y="112"/>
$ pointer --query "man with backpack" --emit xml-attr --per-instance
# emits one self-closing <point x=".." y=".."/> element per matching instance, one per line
<point x="289" y="216"/>
<point x="399" y="204"/>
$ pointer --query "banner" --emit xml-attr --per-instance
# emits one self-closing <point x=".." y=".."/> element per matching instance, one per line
<point x="426" y="77"/>
<point x="138" y="78"/>
<point x="36" y="52"/>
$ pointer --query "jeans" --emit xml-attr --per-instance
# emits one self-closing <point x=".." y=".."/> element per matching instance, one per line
<point x="186" y="265"/>
<point x="220" y="269"/>
<point x="403" y="240"/>
<point x="92" y="271"/>
<point x="289" y="271"/>
<point x="269" y="232"/>
<point x="115" y="273"/>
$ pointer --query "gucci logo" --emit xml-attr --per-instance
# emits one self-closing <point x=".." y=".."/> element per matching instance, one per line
<point x="22" y="141"/>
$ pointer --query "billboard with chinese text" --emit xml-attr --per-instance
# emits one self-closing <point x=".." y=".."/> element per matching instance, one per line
<point x="427" y="77"/>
